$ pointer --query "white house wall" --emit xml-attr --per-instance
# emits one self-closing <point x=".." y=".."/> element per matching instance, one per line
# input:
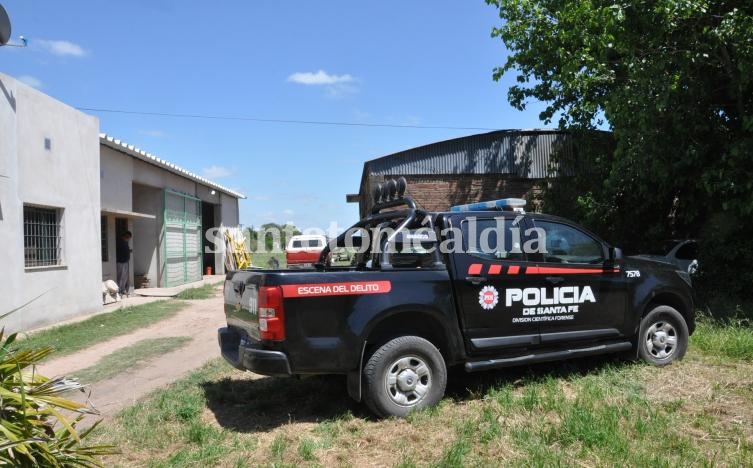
<point x="66" y="177"/>
<point x="229" y="210"/>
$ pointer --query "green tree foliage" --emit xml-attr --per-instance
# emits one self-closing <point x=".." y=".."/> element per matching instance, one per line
<point x="252" y="238"/>
<point x="273" y="234"/>
<point x="673" y="79"/>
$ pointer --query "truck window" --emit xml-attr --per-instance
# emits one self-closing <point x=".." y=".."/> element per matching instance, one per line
<point x="565" y="244"/>
<point x="413" y="256"/>
<point x="481" y="238"/>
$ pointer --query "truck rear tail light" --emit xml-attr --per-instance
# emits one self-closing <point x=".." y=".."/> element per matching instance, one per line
<point x="271" y="314"/>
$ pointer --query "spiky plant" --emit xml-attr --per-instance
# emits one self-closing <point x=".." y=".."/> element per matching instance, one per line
<point x="37" y="420"/>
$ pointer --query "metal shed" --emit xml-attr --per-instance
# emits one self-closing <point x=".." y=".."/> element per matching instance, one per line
<point x="499" y="163"/>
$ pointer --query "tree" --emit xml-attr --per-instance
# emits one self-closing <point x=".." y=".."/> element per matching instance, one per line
<point x="275" y="235"/>
<point x="673" y="79"/>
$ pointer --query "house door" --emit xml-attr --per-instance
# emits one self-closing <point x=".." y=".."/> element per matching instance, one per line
<point x="181" y="239"/>
<point x="121" y="226"/>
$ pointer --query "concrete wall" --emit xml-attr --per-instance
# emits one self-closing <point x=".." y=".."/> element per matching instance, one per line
<point x="116" y="174"/>
<point x="229" y="211"/>
<point x="65" y="177"/>
<point x="146" y="232"/>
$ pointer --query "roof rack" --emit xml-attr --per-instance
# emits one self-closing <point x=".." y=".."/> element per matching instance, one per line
<point x="504" y="204"/>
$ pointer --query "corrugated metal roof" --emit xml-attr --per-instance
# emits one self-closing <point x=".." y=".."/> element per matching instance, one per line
<point x="525" y="153"/>
<point x="152" y="159"/>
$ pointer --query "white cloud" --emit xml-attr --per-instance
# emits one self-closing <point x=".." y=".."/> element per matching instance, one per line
<point x="153" y="133"/>
<point x="216" y="172"/>
<point x="62" y="48"/>
<point x="32" y="81"/>
<point x="319" y="78"/>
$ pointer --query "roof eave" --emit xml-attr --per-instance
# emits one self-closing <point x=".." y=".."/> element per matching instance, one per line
<point x="142" y="155"/>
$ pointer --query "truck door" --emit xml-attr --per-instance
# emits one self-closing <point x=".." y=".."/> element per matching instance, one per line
<point x="488" y="271"/>
<point x="579" y="299"/>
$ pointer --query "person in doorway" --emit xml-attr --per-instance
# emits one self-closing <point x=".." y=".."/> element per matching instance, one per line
<point x="123" y="259"/>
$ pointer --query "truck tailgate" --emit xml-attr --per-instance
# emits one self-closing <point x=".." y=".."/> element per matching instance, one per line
<point x="241" y="302"/>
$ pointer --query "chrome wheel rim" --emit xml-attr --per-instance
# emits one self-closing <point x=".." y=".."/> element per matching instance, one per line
<point x="408" y="380"/>
<point x="661" y="340"/>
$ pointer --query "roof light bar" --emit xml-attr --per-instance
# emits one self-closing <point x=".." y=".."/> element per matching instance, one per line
<point x="505" y="204"/>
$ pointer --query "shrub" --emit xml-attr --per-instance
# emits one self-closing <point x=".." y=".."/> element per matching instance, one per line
<point x="38" y="424"/>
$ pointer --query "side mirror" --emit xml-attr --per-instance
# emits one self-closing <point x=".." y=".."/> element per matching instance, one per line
<point x="615" y="254"/>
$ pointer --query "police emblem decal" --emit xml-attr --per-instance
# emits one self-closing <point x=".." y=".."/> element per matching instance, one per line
<point x="488" y="297"/>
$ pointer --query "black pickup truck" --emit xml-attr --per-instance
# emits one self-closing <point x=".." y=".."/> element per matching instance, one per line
<point x="481" y="286"/>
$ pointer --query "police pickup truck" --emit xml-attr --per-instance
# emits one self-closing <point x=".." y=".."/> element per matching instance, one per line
<point x="482" y="286"/>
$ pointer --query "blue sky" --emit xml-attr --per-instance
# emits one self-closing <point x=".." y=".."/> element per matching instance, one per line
<point x="397" y="62"/>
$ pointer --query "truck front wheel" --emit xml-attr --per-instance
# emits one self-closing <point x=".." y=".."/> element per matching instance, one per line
<point x="405" y="374"/>
<point x="663" y="336"/>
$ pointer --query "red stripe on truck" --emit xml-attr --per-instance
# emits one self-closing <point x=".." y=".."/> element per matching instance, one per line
<point x="495" y="269"/>
<point x="336" y="289"/>
<point x="475" y="269"/>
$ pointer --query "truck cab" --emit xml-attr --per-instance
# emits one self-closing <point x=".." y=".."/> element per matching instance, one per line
<point x="478" y="287"/>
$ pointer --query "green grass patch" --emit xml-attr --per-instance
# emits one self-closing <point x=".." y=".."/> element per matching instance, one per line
<point x="597" y="412"/>
<point x="729" y="338"/>
<point x="67" y="339"/>
<point x="202" y="292"/>
<point x="262" y="259"/>
<point x="129" y="357"/>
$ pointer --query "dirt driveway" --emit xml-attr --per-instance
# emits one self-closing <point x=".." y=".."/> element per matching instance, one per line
<point x="199" y="321"/>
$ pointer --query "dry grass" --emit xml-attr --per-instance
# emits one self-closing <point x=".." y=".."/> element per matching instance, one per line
<point x="586" y="413"/>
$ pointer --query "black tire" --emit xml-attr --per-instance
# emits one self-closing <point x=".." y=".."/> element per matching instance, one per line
<point x="405" y="374"/>
<point x="663" y="336"/>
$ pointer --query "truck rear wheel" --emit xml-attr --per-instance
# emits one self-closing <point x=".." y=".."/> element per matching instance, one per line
<point x="405" y="374"/>
<point x="663" y="336"/>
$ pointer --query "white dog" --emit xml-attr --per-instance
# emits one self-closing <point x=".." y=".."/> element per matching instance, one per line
<point x="110" y="288"/>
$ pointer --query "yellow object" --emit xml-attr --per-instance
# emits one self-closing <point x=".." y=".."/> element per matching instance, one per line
<point x="238" y="254"/>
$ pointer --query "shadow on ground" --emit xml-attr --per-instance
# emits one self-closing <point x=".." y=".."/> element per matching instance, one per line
<point x="462" y="386"/>
<point x="263" y="404"/>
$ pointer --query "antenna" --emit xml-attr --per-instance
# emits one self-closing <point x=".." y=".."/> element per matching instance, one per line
<point x="4" y="26"/>
<point x="5" y="31"/>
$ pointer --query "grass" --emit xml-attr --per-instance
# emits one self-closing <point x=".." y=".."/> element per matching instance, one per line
<point x="261" y="259"/>
<point x="202" y="292"/>
<point x="129" y="357"/>
<point x="597" y="412"/>
<point x="732" y="338"/>
<point x="67" y="339"/>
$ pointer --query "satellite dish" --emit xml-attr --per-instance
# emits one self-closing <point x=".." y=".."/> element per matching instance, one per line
<point x="4" y="26"/>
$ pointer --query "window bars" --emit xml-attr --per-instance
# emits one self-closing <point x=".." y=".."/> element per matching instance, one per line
<point x="41" y="237"/>
<point x="103" y="239"/>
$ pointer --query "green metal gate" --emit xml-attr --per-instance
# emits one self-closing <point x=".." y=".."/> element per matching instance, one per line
<point x="181" y="239"/>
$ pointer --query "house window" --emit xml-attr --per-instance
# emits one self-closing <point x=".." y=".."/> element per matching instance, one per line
<point x="103" y="237"/>
<point x="41" y="237"/>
